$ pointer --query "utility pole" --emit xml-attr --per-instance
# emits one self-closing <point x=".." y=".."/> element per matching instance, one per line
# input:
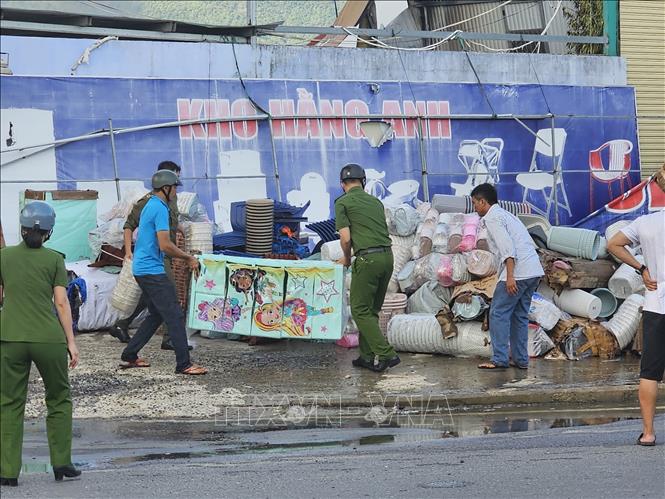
<point x="611" y="26"/>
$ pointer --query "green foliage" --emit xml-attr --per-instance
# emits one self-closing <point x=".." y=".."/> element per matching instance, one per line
<point x="585" y="19"/>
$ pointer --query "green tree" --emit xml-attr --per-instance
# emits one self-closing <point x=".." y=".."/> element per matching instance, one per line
<point x="585" y="19"/>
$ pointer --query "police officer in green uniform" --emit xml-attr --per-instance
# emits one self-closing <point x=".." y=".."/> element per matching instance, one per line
<point x="32" y="279"/>
<point x="120" y="328"/>
<point x="361" y="222"/>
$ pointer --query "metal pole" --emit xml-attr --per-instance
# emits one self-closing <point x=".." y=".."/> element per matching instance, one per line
<point x="274" y="161"/>
<point x="423" y="160"/>
<point x="115" y="160"/>
<point x="251" y="18"/>
<point x="555" y="178"/>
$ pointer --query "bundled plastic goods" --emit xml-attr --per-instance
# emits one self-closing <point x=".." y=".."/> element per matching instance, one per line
<point x="110" y="232"/>
<point x="420" y="333"/>
<point x="440" y="239"/>
<point x="539" y="342"/>
<point x="481" y="263"/>
<point x="455" y="222"/>
<point x="401" y="256"/>
<point x="469" y="232"/>
<point x="126" y="293"/>
<point x="483" y="238"/>
<point x="332" y="251"/>
<point x="429" y="298"/>
<point x="452" y="270"/>
<point x="623" y="325"/>
<point x="544" y="312"/>
<point x="402" y="220"/>
<point x="471" y="341"/>
<point x="122" y="208"/>
<point x="469" y="307"/>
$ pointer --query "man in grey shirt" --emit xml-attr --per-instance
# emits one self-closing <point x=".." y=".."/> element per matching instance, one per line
<point x="519" y="275"/>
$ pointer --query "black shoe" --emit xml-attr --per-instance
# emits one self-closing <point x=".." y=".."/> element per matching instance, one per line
<point x="9" y="482"/>
<point x="382" y="365"/>
<point x="167" y="345"/>
<point x="65" y="471"/>
<point x="360" y="362"/>
<point x="120" y="333"/>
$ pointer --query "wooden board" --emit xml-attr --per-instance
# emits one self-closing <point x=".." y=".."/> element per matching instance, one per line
<point x="61" y="195"/>
<point x="583" y="274"/>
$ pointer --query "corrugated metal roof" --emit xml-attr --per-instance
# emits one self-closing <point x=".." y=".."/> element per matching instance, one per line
<point x="642" y="31"/>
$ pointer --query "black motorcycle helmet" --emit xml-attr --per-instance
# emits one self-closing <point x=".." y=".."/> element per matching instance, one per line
<point x="352" y="171"/>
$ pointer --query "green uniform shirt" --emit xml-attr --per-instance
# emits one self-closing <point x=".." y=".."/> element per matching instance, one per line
<point x="28" y="276"/>
<point x="364" y="215"/>
<point x="132" y="221"/>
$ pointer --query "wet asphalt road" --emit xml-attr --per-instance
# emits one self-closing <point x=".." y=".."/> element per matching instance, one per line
<point x="171" y="459"/>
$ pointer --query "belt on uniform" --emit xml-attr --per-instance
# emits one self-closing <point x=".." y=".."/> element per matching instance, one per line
<point x="369" y="251"/>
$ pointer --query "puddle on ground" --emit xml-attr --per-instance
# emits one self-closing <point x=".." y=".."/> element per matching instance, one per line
<point x="385" y="428"/>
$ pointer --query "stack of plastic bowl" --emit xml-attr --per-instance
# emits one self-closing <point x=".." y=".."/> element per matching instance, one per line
<point x="625" y="281"/>
<point x="625" y="322"/>
<point x="579" y="303"/>
<point x="608" y="302"/>
<point x="471" y="341"/>
<point x="419" y="333"/>
<point x="198" y="238"/>
<point x="259" y="221"/>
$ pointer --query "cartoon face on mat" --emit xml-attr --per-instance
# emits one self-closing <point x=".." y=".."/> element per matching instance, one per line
<point x="222" y="313"/>
<point x="243" y="280"/>
<point x="291" y="317"/>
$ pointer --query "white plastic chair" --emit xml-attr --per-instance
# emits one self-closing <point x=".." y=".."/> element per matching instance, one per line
<point x="538" y="180"/>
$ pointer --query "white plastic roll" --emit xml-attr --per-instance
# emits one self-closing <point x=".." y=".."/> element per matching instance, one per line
<point x="625" y="281"/>
<point x="579" y="303"/>
<point x="471" y="341"/>
<point x="626" y="320"/>
<point x="332" y="251"/>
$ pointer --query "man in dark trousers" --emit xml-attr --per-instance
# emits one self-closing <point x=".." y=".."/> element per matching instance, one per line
<point x="361" y="222"/>
<point x="159" y="292"/>
<point x="120" y="328"/>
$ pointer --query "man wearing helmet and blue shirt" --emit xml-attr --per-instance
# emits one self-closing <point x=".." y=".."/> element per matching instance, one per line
<point x="361" y="222"/>
<point x="159" y="292"/>
<point x="32" y="280"/>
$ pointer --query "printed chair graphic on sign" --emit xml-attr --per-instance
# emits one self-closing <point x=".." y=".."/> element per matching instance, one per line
<point x="617" y="155"/>
<point x="542" y="181"/>
<point x="480" y="159"/>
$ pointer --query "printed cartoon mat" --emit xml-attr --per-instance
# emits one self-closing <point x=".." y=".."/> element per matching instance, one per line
<point x="271" y="298"/>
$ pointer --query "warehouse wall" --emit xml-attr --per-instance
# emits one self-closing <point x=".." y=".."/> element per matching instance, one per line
<point x="642" y="44"/>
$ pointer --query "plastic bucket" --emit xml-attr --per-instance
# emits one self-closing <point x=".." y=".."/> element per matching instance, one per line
<point x="582" y="243"/>
<point x="625" y="281"/>
<point x="579" y="303"/>
<point x="608" y="301"/>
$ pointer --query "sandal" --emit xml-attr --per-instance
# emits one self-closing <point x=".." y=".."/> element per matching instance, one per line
<point x="645" y="444"/>
<point x="135" y="363"/>
<point x="193" y="370"/>
<point x="513" y="364"/>
<point x="491" y="365"/>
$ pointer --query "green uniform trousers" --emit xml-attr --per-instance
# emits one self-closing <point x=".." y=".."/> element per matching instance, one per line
<point x="15" y="362"/>
<point x="369" y="283"/>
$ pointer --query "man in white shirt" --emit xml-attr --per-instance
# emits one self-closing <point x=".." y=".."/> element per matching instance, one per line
<point x="519" y="276"/>
<point x="649" y="232"/>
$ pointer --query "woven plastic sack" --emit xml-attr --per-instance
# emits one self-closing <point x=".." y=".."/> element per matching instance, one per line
<point x="110" y="232"/>
<point x="428" y="299"/>
<point x="332" y="251"/>
<point x="126" y="293"/>
<point x="122" y="208"/>
<point x="544" y="312"/>
<point x="402" y="220"/>
<point x="539" y="343"/>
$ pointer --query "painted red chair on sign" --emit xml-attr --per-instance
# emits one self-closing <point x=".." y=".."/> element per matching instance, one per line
<point x="617" y="155"/>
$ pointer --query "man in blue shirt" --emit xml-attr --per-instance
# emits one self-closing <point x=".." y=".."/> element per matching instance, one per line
<point x="519" y="275"/>
<point x="159" y="292"/>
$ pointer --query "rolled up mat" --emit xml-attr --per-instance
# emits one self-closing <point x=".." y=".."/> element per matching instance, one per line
<point x="608" y="302"/>
<point x="579" y="303"/>
<point x="625" y="281"/>
<point x="581" y="243"/>
<point x="420" y="333"/>
<point x="625" y="322"/>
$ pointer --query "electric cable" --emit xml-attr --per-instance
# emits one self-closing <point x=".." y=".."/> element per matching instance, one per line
<point x="480" y="83"/>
